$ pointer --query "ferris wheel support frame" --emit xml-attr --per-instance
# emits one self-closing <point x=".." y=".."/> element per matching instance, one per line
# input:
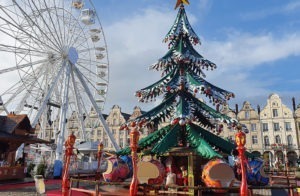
<point x="63" y="113"/>
<point x="81" y="123"/>
<point x="99" y="113"/>
<point x="46" y="99"/>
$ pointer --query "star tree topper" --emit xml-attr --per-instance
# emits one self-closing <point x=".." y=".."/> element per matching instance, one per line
<point x="179" y="2"/>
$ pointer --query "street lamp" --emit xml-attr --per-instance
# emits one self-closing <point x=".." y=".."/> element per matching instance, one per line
<point x="240" y="140"/>
<point x="134" y="138"/>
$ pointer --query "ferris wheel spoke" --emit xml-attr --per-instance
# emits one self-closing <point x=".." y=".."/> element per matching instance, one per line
<point x="21" y="66"/>
<point x="67" y="28"/>
<point x="13" y="49"/>
<point x="92" y="62"/>
<point x="74" y="29"/>
<point x="27" y="17"/>
<point x="22" y="30"/>
<point x="87" y="70"/>
<point x="41" y="16"/>
<point x="62" y="28"/>
<point x="79" y="108"/>
<point x="18" y="39"/>
<point x="80" y="42"/>
<point x="45" y="100"/>
<point x="57" y="32"/>
<point x="17" y="89"/>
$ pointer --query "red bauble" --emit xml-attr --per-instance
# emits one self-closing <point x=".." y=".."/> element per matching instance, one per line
<point x="138" y="94"/>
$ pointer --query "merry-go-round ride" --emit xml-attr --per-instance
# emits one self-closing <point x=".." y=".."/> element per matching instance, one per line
<point x="172" y="171"/>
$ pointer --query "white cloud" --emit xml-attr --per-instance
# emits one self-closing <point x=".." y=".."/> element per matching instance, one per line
<point x="243" y="50"/>
<point x="135" y="43"/>
<point x="288" y="8"/>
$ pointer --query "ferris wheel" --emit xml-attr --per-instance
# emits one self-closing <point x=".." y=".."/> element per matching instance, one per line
<point x="58" y="50"/>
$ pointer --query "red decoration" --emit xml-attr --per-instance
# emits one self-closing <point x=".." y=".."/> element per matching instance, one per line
<point x="240" y="140"/>
<point x="68" y="153"/>
<point x="168" y="88"/>
<point x="175" y="121"/>
<point x="133" y="124"/>
<point x="99" y="154"/>
<point x="138" y="94"/>
<point x="134" y="138"/>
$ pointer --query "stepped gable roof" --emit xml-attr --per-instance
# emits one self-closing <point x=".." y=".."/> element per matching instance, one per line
<point x="11" y="122"/>
<point x="126" y="116"/>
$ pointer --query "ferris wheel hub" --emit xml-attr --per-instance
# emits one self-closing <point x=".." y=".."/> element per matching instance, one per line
<point x="72" y="55"/>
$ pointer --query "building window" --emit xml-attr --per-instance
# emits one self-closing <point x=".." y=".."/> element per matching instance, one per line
<point x="289" y="140"/>
<point x="98" y="132"/>
<point x="254" y="139"/>
<point x="287" y="126"/>
<point x="115" y="122"/>
<point x="277" y="139"/>
<point x="121" y="143"/>
<point x="266" y="141"/>
<point x="276" y="126"/>
<point x="247" y="115"/>
<point x="265" y="126"/>
<point x="114" y="131"/>
<point x="253" y="127"/>
<point x="275" y="113"/>
<point x="105" y="142"/>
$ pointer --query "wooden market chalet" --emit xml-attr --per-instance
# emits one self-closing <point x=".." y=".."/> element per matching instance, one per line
<point x="14" y="131"/>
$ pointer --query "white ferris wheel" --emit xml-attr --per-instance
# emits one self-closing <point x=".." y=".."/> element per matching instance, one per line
<point x="58" y="51"/>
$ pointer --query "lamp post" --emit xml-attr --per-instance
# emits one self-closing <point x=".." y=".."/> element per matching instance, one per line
<point x="240" y="140"/>
<point x="68" y="153"/>
<point x="134" y="138"/>
<point x="99" y="155"/>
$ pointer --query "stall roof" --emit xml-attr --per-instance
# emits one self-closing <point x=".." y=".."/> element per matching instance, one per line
<point x="12" y="121"/>
<point x="21" y="138"/>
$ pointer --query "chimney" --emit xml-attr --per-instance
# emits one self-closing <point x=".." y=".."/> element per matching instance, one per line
<point x="258" y="109"/>
<point x="236" y="109"/>
<point x="294" y="104"/>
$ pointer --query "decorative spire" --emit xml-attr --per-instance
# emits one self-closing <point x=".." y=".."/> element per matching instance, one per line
<point x="179" y="2"/>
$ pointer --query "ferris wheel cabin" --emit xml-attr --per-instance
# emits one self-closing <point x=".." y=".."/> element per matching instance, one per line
<point x="95" y="34"/>
<point x="78" y="4"/>
<point x="88" y="16"/>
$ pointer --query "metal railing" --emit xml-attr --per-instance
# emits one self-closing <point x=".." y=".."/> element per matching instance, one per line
<point x="145" y="189"/>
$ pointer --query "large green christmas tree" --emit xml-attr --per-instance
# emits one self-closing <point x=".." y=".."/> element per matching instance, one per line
<point x="182" y="81"/>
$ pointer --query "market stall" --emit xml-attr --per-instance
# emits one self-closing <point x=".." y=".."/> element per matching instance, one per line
<point x="14" y="131"/>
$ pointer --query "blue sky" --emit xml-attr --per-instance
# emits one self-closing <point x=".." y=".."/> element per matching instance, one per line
<point x="255" y="44"/>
